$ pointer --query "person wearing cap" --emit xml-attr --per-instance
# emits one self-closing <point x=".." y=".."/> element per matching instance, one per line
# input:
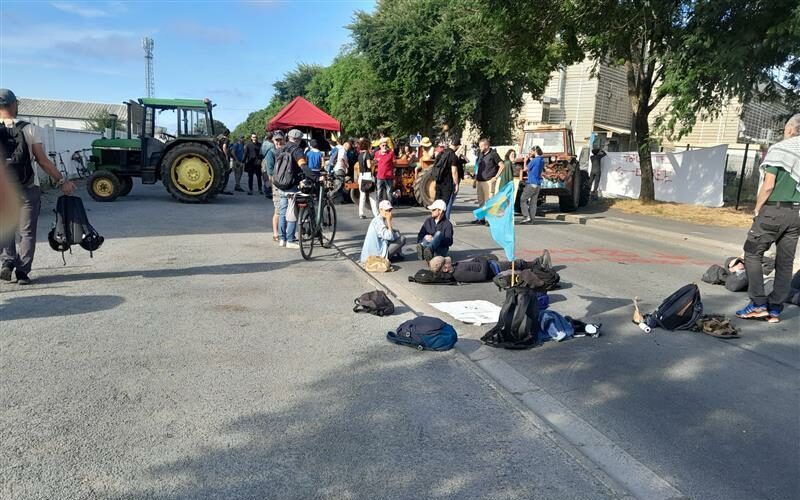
<point x="384" y="158"/>
<point x="488" y="168"/>
<point x="446" y="174"/>
<point x="266" y="147"/>
<point x="436" y="234"/>
<point x="382" y="239"/>
<point x="16" y="253"/>
<point x="287" y="223"/>
<point x="314" y="157"/>
<point x="278" y="141"/>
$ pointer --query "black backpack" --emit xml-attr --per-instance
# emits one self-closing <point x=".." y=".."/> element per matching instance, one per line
<point x="535" y="278"/>
<point x="679" y="311"/>
<point x="17" y="153"/>
<point x="72" y="227"/>
<point x="428" y="277"/>
<point x="518" y="324"/>
<point x="285" y="175"/>
<point x="376" y="303"/>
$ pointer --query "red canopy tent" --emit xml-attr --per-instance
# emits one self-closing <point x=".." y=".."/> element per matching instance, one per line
<point x="302" y="114"/>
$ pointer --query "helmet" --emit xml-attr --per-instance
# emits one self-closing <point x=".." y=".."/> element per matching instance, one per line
<point x="92" y="241"/>
<point x="307" y="186"/>
<point x="57" y="242"/>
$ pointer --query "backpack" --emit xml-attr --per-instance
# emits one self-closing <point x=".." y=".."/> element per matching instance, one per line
<point x="72" y="227"/>
<point x="284" y="174"/>
<point x="17" y="153"/>
<point x="377" y="303"/>
<point x="518" y="324"/>
<point x="475" y="270"/>
<point x="424" y="333"/>
<point x="535" y="278"/>
<point x="428" y="277"/>
<point x="377" y="264"/>
<point x="679" y="311"/>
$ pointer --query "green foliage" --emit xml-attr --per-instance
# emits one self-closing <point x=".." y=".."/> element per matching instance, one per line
<point x="101" y="120"/>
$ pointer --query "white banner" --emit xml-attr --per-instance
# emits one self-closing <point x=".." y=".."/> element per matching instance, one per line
<point x="693" y="177"/>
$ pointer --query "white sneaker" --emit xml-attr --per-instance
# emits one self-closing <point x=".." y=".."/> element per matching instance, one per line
<point x="292" y="244"/>
<point x="282" y="243"/>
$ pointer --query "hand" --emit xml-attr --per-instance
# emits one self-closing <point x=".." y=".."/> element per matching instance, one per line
<point x="428" y="237"/>
<point x="68" y="188"/>
<point x="456" y="190"/>
<point x="388" y="217"/>
<point x="474" y="184"/>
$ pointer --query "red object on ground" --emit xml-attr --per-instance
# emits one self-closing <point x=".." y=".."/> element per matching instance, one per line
<point x="301" y="113"/>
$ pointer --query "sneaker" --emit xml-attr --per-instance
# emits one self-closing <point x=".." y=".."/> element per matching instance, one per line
<point x="774" y="315"/>
<point x="282" y="243"/>
<point x="23" y="279"/>
<point x="292" y="244"/>
<point x="5" y="273"/>
<point x="420" y="254"/>
<point x="362" y="216"/>
<point x="238" y="189"/>
<point x="752" y="311"/>
<point x="526" y="220"/>
<point x="427" y="254"/>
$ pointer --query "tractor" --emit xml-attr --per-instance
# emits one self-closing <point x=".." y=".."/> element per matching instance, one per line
<point x="189" y="163"/>
<point x="562" y="175"/>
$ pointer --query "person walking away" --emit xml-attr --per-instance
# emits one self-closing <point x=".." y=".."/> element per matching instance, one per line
<point x="266" y="146"/>
<point x="237" y="153"/>
<point x="278" y="140"/>
<point x="342" y="166"/>
<point x="530" y="195"/>
<point x="384" y="158"/>
<point x="488" y="167"/>
<point x="223" y="140"/>
<point x="366" y="179"/>
<point x="595" y="173"/>
<point x="333" y="155"/>
<point x="287" y="223"/>
<point x="22" y="144"/>
<point x="777" y="221"/>
<point x="314" y="157"/>
<point x="436" y="234"/>
<point x="445" y="171"/>
<point x="382" y="239"/>
<point x="252" y="163"/>
<point x="507" y="173"/>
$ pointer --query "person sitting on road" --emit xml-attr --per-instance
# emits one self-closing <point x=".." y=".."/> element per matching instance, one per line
<point x="382" y="239"/>
<point x="436" y="235"/>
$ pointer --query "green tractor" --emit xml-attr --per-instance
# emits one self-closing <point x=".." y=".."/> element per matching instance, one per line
<point x="190" y="163"/>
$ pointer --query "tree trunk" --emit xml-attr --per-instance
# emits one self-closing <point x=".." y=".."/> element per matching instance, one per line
<point x="642" y="130"/>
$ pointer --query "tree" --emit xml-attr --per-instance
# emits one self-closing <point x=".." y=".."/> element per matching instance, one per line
<point x="696" y="53"/>
<point x="102" y="120"/>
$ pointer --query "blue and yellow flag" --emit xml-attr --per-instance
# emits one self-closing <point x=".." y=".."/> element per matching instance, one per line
<point x="499" y="212"/>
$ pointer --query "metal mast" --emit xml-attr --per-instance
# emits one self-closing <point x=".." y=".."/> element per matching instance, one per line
<point x="149" y="80"/>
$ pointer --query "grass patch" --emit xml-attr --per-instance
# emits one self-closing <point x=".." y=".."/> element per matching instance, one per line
<point x="725" y="216"/>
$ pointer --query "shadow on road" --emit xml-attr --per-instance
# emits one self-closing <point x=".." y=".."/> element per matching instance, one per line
<point x="47" y="306"/>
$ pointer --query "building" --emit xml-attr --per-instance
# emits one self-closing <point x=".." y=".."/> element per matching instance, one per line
<point x="67" y="115"/>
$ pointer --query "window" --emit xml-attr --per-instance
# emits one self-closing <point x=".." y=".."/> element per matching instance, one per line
<point x="549" y="141"/>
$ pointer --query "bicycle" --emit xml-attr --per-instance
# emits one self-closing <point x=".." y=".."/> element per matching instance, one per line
<point x="316" y="219"/>
<point x="79" y="161"/>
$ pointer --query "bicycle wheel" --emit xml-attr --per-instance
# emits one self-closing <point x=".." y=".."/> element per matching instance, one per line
<point x="305" y="221"/>
<point x="327" y="229"/>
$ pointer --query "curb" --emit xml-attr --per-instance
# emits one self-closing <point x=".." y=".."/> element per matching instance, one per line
<point x="623" y="475"/>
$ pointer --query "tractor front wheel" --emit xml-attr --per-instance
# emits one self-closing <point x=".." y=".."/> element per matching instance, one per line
<point x="191" y="172"/>
<point x="126" y="184"/>
<point x="104" y="186"/>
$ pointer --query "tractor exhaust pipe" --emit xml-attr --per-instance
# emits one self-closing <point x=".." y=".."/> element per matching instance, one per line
<point x="113" y="119"/>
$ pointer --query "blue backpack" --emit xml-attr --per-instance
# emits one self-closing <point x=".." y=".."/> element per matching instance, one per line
<point x="424" y="333"/>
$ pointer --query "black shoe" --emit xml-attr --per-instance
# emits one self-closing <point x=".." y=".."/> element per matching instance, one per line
<point x="22" y="278"/>
<point x="5" y="273"/>
<point x="226" y="192"/>
<point x="427" y="254"/>
<point x="420" y="253"/>
<point x="397" y="258"/>
<point x="476" y="221"/>
<point x="249" y="193"/>
<point x="238" y="189"/>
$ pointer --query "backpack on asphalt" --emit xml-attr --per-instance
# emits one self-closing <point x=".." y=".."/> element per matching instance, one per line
<point x="428" y="277"/>
<point x="679" y="311"/>
<point x="518" y="324"/>
<point x="475" y="270"/>
<point x="16" y="151"/>
<point x="377" y="303"/>
<point x="534" y="278"/>
<point x="72" y="227"/>
<point x="424" y="333"/>
<point x="284" y="175"/>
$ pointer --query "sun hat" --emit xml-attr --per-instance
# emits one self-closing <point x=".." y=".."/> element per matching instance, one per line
<point x="426" y="142"/>
<point x="441" y="205"/>
<point x="385" y="205"/>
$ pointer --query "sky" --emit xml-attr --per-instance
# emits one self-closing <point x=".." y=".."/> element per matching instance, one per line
<point x="229" y="51"/>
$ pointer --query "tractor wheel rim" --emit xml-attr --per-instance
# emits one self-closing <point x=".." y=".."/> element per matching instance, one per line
<point x="103" y="187"/>
<point x="192" y="175"/>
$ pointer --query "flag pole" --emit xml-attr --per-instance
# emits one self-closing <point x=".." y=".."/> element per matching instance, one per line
<point x="513" y="234"/>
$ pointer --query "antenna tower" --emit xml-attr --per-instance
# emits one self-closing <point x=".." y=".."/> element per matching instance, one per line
<point x="149" y="80"/>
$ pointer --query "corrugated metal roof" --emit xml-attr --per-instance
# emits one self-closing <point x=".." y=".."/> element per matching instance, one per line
<point x="68" y="109"/>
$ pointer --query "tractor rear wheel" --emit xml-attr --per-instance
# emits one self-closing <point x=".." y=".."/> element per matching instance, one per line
<point x="191" y="172"/>
<point x="104" y="186"/>
<point x="126" y="184"/>
<point x="425" y="187"/>
<point x="585" y="189"/>
<point x="355" y="194"/>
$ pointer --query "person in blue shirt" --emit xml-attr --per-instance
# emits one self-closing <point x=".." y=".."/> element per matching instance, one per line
<point x="314" y="157"/>
<point x="237" y="150"/>
<point x="382" y="239"/>
<point x="530" y="195"/>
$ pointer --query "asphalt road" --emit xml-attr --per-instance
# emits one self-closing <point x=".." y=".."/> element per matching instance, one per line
<point x="716" y="419"/>
<point x="193" y="358"/>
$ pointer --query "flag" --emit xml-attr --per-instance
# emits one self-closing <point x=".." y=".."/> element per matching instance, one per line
<point x="499" y="212"/>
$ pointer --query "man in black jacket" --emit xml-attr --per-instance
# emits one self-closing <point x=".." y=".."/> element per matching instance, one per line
<point x="252" y="163"/>
<point x="436" y="235"/>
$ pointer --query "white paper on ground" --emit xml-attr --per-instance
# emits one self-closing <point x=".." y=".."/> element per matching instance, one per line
<point x="475" y="312"/>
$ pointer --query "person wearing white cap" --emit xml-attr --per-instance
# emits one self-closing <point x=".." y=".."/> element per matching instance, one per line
<point x="436" y="235"/>
<point x="382" y="239"/>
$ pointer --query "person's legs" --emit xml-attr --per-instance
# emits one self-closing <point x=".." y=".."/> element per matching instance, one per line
<point x="384" y="189"/>
<point x="786" y="246"/>
<point x="533" y="200"/>
<point x="524" y="202"/>
<point x="291" y="220"/>
<point x="282" y="223"/>
<point x="259" y="180"/>
<point x="250" y="175"/>
<point x="362" y="201"/>
<point x="763" y="233"/>
<point x="225" y="177"/>
<point x="396" y="246"/>
<point x="28" y="221"/>
<point x="238" y="171"/>
<point x="373" y="201"/>
<point x="450" y="202"/>
<point x="483" y="192"/>
<point x="276" y="205"/>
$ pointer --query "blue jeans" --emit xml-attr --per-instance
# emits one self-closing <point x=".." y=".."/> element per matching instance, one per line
<point x="385" y="189"/>
<point x="286" y="229"/>
<point x="436" y="244"/>
<point x="450" y="204"/>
